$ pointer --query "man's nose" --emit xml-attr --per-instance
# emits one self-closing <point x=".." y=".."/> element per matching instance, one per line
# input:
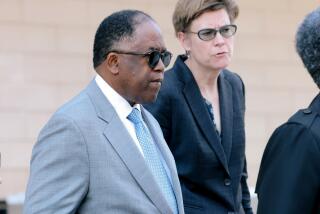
<point x="160" y="66"/>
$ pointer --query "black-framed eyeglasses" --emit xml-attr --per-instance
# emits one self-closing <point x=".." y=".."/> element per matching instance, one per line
<point x="154" y="56"/>
<point x="208" y="34"/>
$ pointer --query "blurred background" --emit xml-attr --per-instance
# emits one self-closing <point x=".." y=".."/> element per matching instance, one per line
<point x="46" y="58"/>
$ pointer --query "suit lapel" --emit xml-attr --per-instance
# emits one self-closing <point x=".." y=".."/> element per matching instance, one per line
<point x="226" y="110"/>
<point x="117" y="135"/>
<point x="166" y="154"/>
<point x="194" y="99"/>
<point x="315" y="104"/>
<point x="130" y="155"/>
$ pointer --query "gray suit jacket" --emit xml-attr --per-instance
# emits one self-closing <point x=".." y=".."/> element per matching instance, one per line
<point x="86" y="162"/>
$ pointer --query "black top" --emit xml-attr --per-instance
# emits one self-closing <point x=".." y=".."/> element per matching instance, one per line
<point x="289" y="176"/>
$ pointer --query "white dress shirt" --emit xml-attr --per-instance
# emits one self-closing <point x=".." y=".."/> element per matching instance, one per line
<point x="122" y="107"/>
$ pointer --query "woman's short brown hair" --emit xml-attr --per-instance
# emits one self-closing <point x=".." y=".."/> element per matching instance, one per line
<point x="188" y="10"/>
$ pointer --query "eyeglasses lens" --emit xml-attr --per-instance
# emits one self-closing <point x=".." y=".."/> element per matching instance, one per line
<point x="225" y="31"/>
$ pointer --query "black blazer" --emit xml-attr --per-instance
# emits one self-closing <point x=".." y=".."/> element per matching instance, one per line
<point x="212" y="173"/>
<point x="289" y="176"/>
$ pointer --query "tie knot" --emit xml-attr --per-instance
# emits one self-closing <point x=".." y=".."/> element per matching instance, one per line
<point x="135" y="116"/>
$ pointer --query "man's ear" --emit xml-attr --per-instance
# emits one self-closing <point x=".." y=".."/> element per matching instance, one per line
<point x="112" y="62"/>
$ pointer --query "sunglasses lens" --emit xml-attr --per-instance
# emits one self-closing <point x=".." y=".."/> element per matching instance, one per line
<point x="207" y="34"/>
<point x="155" y="56"/>
<point x="225" y="31"/>
<point x="166" y="58"/>
<point x="228" y="31"/>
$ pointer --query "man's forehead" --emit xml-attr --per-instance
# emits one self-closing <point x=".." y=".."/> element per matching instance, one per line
<point x="147" y="36"/>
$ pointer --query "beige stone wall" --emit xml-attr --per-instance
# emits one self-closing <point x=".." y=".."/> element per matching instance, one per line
<point x="45" y="58"/>
<point x="276" y="82"/>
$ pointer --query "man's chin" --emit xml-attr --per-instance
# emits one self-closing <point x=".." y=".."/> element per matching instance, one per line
<point x="149" y="99"/>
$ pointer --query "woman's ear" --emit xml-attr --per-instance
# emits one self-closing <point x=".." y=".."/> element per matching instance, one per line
<point x="184" y="41"/>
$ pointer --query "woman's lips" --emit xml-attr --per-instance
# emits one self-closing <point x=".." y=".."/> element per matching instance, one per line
<point x="221" y="54"/>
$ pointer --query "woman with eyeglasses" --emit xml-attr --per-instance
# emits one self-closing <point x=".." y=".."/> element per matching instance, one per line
<point x="201" y="107"/>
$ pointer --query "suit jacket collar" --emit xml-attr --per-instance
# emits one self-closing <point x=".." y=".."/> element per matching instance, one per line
<point x="117" y="135"/>
<point x="194" y="98"/>
<point x="315" y="104"/>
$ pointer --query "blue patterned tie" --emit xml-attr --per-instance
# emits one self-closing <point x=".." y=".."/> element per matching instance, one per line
<point x="151" y="155"/>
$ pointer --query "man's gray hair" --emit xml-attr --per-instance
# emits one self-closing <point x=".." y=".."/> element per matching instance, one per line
<point x="308" y="44"/>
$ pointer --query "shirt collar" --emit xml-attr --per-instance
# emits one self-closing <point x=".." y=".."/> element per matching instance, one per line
<point x="121" y="105"/>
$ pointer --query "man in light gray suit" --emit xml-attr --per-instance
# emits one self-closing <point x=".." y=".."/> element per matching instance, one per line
<point x="97" y="154"/>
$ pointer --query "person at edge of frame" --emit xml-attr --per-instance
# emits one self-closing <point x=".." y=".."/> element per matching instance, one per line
<point x="289" y="175"/>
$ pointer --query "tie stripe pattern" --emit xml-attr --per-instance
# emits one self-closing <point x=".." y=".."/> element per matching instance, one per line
<point x="152" y="157"/>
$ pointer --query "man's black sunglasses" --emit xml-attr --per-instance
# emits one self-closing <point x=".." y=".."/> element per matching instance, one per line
<point x="153" y="56"/>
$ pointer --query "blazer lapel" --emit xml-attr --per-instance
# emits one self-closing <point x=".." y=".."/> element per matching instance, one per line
<point x="117" y="135"/>
<point x="226" y="110"/>
<point x="167" y="156"/>
<point x="194" y="98"/>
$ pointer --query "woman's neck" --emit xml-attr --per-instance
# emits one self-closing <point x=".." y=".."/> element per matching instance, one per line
<point x="207" y="80"/>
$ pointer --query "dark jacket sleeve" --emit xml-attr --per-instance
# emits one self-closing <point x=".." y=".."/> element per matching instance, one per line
<point x="289" y="176"/>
